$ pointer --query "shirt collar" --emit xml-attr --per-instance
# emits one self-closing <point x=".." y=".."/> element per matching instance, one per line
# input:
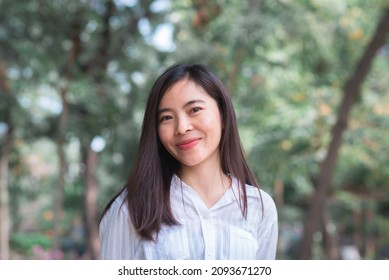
<point x="230" y="196"/>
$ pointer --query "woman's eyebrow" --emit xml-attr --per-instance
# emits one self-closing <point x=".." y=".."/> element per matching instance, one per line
<point x="191" y="102"/>
<point x="163" y="110"/>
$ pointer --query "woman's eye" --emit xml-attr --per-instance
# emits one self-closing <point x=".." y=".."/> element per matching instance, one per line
<point x="165" y="118"/>
<point x="196" y="109"/>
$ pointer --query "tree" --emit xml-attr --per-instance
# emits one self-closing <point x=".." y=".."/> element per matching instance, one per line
<point x="351" y="93"/>
<point x="6" y="141"/>
<point x="284" y="63"/>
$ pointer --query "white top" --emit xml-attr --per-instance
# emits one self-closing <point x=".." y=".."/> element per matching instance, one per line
<point x="219" y="232"/>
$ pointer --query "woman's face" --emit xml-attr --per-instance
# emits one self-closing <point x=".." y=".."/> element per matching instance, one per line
<point x="190" y="124"/>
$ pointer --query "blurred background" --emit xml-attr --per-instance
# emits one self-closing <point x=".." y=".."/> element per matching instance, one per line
<point x="310" y="84"/>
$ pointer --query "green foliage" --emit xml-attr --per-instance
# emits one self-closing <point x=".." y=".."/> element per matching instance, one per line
<point x="284" y="62"/>
<point x="24" y="242"/>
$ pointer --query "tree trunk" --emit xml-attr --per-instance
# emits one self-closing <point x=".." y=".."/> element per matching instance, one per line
<point x="357" y="233"/>
<point x="59" y="190"/>
<point x="63" y="119"/>
<point x="350" y="95"/>
<point x="369" y="241"/>
<point x="235" y="69"/>
<point x="99" y="63"/>
<point x="4" y="169"/>
<point x="4" y="200"/>
<point x="330" y="240"/>
<point x="90" y="202"/>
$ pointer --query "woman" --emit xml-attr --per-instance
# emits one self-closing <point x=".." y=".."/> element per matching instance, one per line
<point x="191" y="194"/>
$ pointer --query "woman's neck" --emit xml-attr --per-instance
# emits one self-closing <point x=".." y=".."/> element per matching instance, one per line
<point x="209" y="182"/>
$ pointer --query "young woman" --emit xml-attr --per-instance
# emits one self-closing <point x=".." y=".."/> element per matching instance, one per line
<point x="191" y="194"/>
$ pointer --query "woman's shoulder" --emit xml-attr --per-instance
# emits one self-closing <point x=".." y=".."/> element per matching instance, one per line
<point x="117" y="216"/>
<point x="257" y="192"/>
<point x="118" y="205"/>
<point x="121" y="198"/>
<point x="262" y="196"/>
<point x="118" y="237"/>
<point x="251" y="191"/>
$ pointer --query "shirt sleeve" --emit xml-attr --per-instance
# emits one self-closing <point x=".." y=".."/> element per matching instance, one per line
<point x="268" y="229"/>
<point x="118" y="238"/>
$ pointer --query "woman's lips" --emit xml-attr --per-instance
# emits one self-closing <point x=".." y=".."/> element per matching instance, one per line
<point x="188" y="144"/>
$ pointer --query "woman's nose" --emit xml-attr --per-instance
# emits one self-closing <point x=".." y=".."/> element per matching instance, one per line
<point x="183" y="125"/>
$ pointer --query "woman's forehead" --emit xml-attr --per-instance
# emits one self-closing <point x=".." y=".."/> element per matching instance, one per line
<point x="182" y="91"/>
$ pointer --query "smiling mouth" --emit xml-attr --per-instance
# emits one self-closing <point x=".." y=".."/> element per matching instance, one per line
<point x="186" y="145"/>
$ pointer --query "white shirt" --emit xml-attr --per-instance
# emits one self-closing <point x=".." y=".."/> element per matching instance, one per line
<point x="219" y="232"/>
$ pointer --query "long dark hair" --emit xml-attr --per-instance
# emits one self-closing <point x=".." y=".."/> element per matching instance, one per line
<point x="148" y="186"/>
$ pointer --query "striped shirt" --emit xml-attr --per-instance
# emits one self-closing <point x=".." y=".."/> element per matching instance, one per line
<point x="219" y="232"/>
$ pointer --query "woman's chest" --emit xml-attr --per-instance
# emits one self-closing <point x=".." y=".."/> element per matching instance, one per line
<point x="202" y="239"/>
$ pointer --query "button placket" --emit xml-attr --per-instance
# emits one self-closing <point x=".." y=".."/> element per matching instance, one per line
<point x="209" y="236"/>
